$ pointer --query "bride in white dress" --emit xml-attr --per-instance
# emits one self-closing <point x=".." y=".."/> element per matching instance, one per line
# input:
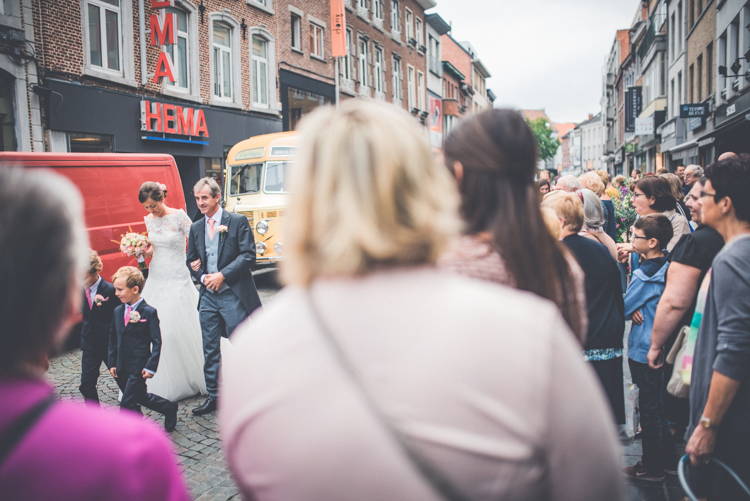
<point x="170" y="290"/>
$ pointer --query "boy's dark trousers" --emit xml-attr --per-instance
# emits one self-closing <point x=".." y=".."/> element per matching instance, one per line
<point x="91" y="363"/>
<point x="135" y="395"/>
<point x="658" y="445"/>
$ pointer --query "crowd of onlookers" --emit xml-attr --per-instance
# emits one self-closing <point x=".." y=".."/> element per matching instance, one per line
<point x="445" y="332"/>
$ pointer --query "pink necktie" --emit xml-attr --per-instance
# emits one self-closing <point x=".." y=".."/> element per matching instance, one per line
<point x="88" y="296"/>
<point x="211" y="230"/>
<point x="127" y="315"/>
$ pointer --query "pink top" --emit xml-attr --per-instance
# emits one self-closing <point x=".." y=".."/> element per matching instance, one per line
<point x="471" y="256"/>
<point x="80" y="453"/>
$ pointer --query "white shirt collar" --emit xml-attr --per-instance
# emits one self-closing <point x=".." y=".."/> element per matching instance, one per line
<point x="135" y="305"/>
<point x="94" y="287"/>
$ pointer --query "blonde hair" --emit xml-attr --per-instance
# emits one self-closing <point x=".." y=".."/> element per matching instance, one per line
<point x="661" y="170"/>
<point x="567" y="206"/>
<point x="366" y="194"/>
<point x="95" y="262"/>
<point x="604" y="176"/>
<point x="593" y="182"/>
<point x="132" y="275"/>
<point x="619" y="181"/>
<point x="551" y="222"/>
<point x="676" y="184"/>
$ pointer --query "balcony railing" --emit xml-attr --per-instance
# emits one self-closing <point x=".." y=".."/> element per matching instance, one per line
<point x="648" y="41"/>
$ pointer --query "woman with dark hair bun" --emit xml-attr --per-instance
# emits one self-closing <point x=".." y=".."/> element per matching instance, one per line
<point x="151" y="190"/>
<point x="493" y="156"/>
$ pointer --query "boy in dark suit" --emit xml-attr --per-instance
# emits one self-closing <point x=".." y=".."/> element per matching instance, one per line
<point x="135" y="346"/>
<point x="99" y="303"/>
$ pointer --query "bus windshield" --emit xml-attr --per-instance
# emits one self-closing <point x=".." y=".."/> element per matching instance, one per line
<point x="277" y="177"/>
<point x="245" y="179"/>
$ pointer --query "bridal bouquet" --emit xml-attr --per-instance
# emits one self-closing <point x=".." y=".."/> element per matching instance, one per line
<point x="134" y="245"/>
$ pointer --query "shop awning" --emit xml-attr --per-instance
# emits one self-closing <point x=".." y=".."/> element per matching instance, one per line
<point x="684" y="150"/>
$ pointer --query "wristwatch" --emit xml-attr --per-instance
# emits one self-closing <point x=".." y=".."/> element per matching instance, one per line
<point x="708" y="424"/>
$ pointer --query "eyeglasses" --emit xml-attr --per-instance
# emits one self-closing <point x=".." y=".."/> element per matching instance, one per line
<point x="705" y="194"/>
<point x="636" y="195"/>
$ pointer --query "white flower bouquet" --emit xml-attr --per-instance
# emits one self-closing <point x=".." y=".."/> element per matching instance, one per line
<point x="134" y="245"/>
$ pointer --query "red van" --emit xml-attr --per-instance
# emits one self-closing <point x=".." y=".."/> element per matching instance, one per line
<point x="109" y="184"/>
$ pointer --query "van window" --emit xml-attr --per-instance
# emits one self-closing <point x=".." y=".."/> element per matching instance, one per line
<point x="277" y="177"/>
<point x="245" y="179"/>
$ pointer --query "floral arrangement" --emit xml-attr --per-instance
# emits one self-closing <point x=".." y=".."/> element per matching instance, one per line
<point x="625" y="215"/>
<point x="222" y="229"/>
<point x="135" y="317"/>
<point x="134" y="245"/>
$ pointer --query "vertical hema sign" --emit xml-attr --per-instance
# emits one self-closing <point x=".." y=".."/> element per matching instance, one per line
<point x="168" y="118"/>
<point x="163" y="34"/>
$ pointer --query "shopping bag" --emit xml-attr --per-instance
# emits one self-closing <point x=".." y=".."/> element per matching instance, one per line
<point x="632" y="420"/>
<point x="676" y="386"/>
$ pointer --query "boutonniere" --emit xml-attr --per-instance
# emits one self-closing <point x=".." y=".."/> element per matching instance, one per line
<point x="99" y="300"/>
<point x="222" y="229"/>
<point x="135" y="317"/>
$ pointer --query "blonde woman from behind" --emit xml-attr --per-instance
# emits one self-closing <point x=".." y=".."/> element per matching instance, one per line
<point x="370" y="348"/>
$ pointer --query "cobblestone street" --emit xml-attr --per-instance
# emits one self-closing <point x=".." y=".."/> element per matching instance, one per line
<point x="196" y="439"/>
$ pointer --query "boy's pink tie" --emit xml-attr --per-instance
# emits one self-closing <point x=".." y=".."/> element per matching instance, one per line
<point x="211" y="230"/>
<point x="127" y="314"/>
<point x="88" y="296"/>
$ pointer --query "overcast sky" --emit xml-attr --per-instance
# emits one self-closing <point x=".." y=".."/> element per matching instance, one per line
<point x="542" y="53"/>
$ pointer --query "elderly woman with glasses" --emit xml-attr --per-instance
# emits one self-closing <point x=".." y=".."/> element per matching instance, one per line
<point x="374" y="375"/>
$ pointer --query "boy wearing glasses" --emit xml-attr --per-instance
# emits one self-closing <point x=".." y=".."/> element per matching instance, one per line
<point x="651" y="234"/>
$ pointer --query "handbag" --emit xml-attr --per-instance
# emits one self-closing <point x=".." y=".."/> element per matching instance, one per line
<point x="440" y="484"/>
<point x="676" y="386"/>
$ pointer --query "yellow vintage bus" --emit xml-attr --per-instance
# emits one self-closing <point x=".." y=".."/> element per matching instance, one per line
<point x="257" y="185"/>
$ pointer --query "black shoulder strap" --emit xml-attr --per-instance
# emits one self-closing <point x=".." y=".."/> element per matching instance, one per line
<point x="13" y="435"/>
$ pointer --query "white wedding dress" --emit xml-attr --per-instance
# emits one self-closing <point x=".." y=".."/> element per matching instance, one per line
<point x="170" y="290"/>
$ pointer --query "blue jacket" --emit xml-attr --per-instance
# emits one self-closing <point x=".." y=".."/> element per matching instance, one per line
<point x="643" y="294"/>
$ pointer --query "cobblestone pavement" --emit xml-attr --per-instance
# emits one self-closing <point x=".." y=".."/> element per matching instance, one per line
<point x="196" y="439"/>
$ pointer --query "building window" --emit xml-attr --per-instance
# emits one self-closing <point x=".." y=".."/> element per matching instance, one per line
<point x="222" y="49"/>
<point x="362" y="67"/>
<point x="89" y="143"/>
<point x="680" y="22"/>
<point x="408" y="30"/>
<point x="673" y="29"/>
<point x="347" y="62"/>
<point x="418" y="31"/>
<point x="7" y="112"/>
<point x="378" y="70"/>
<point x="395" y="16"/>
<point x="296" y="34"/>
<point x="180" y="51"/>
<point x="700" y="78"/>
<point x="104" y="34"/>
<point x="434" y="63"/>
<point x="691" y="81"/>
<point x="316" y="41"/>
<point x="421" y="91"/>
<point x="709" y="69"/>
<point x="411" y="89"/>
<point x="260" y="72"/>
<point x="396" y="80"/>
<point x="377" y="9"/>
<point x="302" y="103"/>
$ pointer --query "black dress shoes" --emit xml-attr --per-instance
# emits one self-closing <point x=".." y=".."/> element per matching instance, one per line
<point x="208" y="406"/>
<point x="170" y="418"/>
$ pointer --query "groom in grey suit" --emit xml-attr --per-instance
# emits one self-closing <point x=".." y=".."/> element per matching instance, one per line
<point x="221" y="253"/>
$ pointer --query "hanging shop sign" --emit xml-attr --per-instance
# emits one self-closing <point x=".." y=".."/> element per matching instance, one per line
<point x="644" y="126"/>
<point x="693" y="110"/>
<point x="633" y="107"/>
<point x="163" y="34"/>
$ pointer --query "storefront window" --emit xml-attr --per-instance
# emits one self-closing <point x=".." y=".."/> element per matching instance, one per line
<point x="7" y="113"/>
<point x="245" y="179"/>
<point x="277" y="177"/>
<point x="89" y="143"/>
<point x="214" y="169"/>
<point x="301" y="103"/>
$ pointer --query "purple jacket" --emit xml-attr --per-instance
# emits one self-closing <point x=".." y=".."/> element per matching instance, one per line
<point x="75" y="452"/>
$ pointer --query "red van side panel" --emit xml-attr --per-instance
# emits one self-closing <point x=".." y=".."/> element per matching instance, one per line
<point x="109" y="185"/>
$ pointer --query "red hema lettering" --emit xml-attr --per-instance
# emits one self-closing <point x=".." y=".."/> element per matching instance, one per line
<point x="164" y="68"/>
<point x="163" y="31"/>
<point x="150" y="112"/>
<point x="160" y="4"/>
<point x="185" y="121"/>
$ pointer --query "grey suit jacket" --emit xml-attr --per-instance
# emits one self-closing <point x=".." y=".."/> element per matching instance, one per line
<point x="236" y="257"/>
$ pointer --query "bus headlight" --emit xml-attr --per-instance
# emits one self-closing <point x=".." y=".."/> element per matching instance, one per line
<point x="262" y="227"/>
<point x="278" y="248"/>
<point x="260" y="248"/>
